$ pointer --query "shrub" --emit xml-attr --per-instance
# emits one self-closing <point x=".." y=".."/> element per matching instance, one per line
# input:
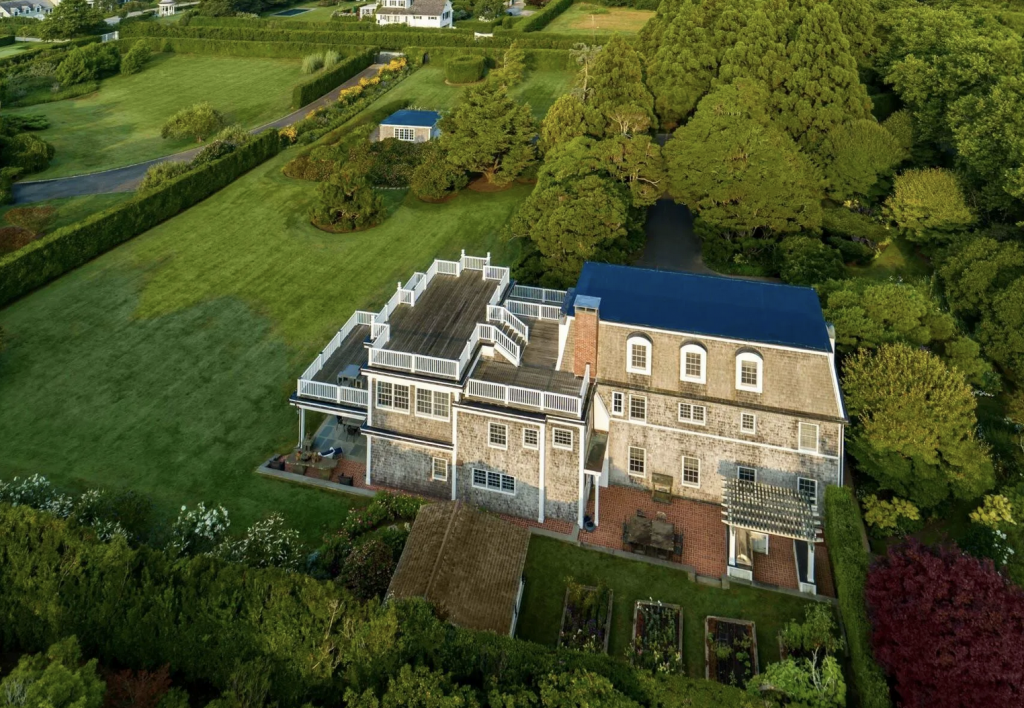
<point x="890" y="516"/>
<point x="35" y="219"/>
<point x="308" y="91"/>
<point x="199" y="121"/>
<point x="331" y="57"/>
<point x="266" y="544"/>
<point x="368" y="569"/>
<point x="852" y="251"/>
<point x="28" y="152"/>
<point x="850" y="566"/>
<point x="13" y="238"/>
<point x="386" y="163"/>
<point x="75" y="69"/>
<point x="806" y="261"/>
<point x="161" y="173"/>
<point x="435" y="178"/>
<point x="347" y="203"/>
<point x="854" y="225"/>
<point x="136" y="58"/>
<point x="138" y="689"/>
<point x="199" y="530"/>
<point x="312" y="63"/>
<point x="57" y="677"/>
<point x="465" y="69"/>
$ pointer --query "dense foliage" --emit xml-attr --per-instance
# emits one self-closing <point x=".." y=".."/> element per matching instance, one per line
<point x="198" y="122"/>
<point x="947" y="627"/>
<point x="464" y="69"/>
<point x="346" y="202"/>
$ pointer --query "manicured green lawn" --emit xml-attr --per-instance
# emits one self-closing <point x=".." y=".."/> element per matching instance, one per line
<point x="586" y="17"/>
<point x="899" y="259"/>
<point x="551" y="562"/>
<point x="72" y="209"/>
<point x="427" y="90"/>
<point x="16" y="48"/>
<point x="120" y="124"/>
<point x="166" y="364"/>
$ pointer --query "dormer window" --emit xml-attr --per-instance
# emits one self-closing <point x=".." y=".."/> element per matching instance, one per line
<point x="693" y="363"/>
<point x="638" y="355"/>
<point x="749" y="372"/>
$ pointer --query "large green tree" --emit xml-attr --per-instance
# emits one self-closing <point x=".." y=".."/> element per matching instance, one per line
<point x="488" y="132"/>
<point x="928" y="205"/>
<point x="975" y="270"/>
<point x="915" y="425"/>
<point x="56" y="678"/>
<point x="70" y="19"/>
<point x="568" y="118"/>
<point x="856" y="155"/>
<point x="347" y="203"/>
<point x="740" y="172"/>
<point x="618" y="92"/>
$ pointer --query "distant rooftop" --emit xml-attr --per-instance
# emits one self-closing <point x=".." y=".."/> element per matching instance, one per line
<point x="717" y="306"/>
<point x="410" y="118"/>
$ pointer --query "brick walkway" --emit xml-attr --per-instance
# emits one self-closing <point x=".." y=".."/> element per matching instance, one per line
<point x="779" y="566"/>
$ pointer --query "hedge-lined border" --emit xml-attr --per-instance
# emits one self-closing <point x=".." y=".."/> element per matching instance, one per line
<point x="543" y="59"/>
<point x="5" y="41"/>
<point x="331" y="26"/>
<point x="65" y="249"/>
<point x="233" y="48"/>
<point x="850" y="565"/>
<point x="30" y="55"/>
<point x="324" y="81"/>
<point x="539" y="20"/>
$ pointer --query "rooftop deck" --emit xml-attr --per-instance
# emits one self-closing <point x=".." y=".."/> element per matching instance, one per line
<point x="537" y="367"/>
<point x="352" y="352"/>
<point x="444" y="316"/>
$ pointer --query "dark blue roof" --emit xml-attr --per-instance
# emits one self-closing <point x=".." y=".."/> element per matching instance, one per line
<point x="712" y="305"/>
<point x="416" y="119"/>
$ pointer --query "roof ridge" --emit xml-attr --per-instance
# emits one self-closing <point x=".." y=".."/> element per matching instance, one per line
<point x="691" y="274"/>
<point x="457" y="506"/>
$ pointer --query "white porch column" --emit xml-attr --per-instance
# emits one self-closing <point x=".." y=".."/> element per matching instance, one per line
<point x="597" y="499"/>
<point x="732" y="546"/>
<point x="455" y="481"/>
<point x="369" y="459"/>
<point x="302" y="426"/>
<point x="581" y="504"/>
<point x="810" y="563"/>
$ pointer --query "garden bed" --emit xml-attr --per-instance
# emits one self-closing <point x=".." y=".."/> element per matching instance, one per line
<point x="586" y="618"/>
<point x="730" y="651"/>
<point x="657" y="637"/>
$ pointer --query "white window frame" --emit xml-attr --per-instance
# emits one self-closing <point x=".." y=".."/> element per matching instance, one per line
<point x="637" y="398"/>
<point x="749" y="357"/>
<point x="402" y="131"/>
<point x="682" y="472"/>
<point x="562" y="446"/>
<point x="692" y="420"/>
<point x="536" y="438"/>
<point x="800" y="437"/>
<point x="753" y="429"/>
<point x="642" y="474"/>
<point x="739" y="472"/>
<point x="393" y="389"/>
<point x="491" y="427"/>
<point x="703" y="354"/>
<point x="492" y="474"/>
<point x="814" y="485"/>
<point x="435" y="397"/>
<point x="433" y="469"/>
<point x="618" y="397"/>
<point x="638" y="341"/>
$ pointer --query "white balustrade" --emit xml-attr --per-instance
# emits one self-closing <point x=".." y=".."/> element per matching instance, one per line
<point x="330" y="392"/>
<point x="529" y="292"/>
<point x="447" y="267"/>
<point x="497" y="313"/>
<point x="528" y="397"/>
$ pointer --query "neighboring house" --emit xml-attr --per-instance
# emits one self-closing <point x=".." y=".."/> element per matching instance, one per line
<point x="530" y="402"/>
<point x="416" y="13"/>
<point x="37" y="9"/>
<point x="410" y="126"/>
<point x="465" y="562"/>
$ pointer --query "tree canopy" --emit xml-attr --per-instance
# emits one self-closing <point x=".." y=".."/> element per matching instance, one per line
<point x="928" y="205"/>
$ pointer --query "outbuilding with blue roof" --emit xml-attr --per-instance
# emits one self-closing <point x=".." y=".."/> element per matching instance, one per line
<point x="410" y="126"/>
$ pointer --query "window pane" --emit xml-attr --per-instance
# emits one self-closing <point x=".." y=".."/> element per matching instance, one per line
<point x="480" y="477"/>
<point x="616" y="402"/>
<point x="530" y="437"/>
<point x="424" y="401"/>
<point x="693" y="364"/>
<point x="691" y="470"/>
<point x="807" y="486"/>
<point x="402" y="397"/>
<point x="497" y="434"/>
<point x="638" y="356"/>
<point x="808" y="437"/>
<point x="441" y="404"/>
<point x="747" y="422"/>
<point x="638" y="407"/>
<point x="637" y="458"/>
<point x="494" y="480"/>
<point x="698" y="413"/>
<point x="508" y="483"/>
<point x="748" y="373"/>
<point x="384" y="394"/>
<point x="747" y="474"/>
<point x="563" y="437"/>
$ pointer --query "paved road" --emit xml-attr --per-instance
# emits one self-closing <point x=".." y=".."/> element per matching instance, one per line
<point x="671" y="242"/>
<point x="127" y="179"/>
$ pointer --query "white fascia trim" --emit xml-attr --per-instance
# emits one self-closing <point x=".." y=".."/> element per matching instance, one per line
<point x="835" y="385"/>
<point x="395" y="437"/>
<point x="739" y="441"/>
<point x="747" y="342"/>
<point x="455" y="451"/>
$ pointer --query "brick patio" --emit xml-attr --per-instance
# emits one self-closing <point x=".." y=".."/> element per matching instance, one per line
<point x="556" y="525"/>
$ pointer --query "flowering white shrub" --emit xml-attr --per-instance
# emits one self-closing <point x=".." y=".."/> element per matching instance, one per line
<point x="199" y="530"/>
<point x="265" y="544"/>
<point x="107" y="530"/>
<point x="35" y="491"/>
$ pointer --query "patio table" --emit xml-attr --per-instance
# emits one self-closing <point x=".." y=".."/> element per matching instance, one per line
<point x="650" y="533"/>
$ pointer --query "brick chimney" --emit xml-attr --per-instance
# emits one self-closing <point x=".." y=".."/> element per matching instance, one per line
<point x="587" y="321"/>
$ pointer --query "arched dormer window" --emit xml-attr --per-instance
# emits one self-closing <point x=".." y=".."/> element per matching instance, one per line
<point x="749" y="371"/>
<point x="638" y="354"/>
<point x="693" y="363"/>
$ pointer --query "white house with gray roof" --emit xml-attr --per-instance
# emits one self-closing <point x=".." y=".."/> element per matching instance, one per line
<point x="416" y="13"/>
<point x="37" y="9"/>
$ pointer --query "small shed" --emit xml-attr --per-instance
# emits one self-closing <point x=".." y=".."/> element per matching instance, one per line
<point x="411" y="126"/>
<point x="466" y="562"/>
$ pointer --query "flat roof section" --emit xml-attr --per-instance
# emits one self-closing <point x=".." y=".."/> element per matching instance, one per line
<point x="444" y="317"/>
<point x="352" y="352"/>
<point x="537" y="367"/>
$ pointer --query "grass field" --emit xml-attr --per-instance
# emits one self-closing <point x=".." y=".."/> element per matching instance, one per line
<point x="17" y="48"/>
<point x="165" y="365"/>
<point x="120" y="124"/>
<point x="898" y="260"/>
<point x="426" y="89"/>
<point x="550" y="562"/>
<point x="72" y="209"/>
<point x="584" y="17"/>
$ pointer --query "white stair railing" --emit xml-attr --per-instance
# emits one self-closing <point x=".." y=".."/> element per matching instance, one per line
<point x="497" y="313"/>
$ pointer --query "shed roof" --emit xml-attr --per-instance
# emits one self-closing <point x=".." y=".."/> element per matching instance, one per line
<point x="414" y="119"/>
<point x="467" y="562"/>
<point x="734" y="308"/>
<point x="766" y="508"/>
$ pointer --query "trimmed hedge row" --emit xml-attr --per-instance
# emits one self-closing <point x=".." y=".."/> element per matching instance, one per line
<point x="540" y="20"/>
<point x="332" y="26"/>
<point x="543" y="59"/>
<point x="67" y="248"/>
<point x="44" y="49"/>
<point x="464" y="69"/>
<point x="4" y="41"/>
<point x="272" y="50"/>
<point x="384" y="39"/>
<point x="850" y="565"/>
<point x="322" y="82"/>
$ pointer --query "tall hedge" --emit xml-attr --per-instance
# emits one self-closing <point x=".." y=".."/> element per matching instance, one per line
<point x="539" y="20"/>
<point x="67" y="248"/>
<point x="328" y="79"/>
<point x="331" y="26"/>
<point x="850" y="565"/>
<point x="543" y="59"/>
<point x="236" y="48"/>
<point x="464" y="69"/>
<point x="4" y="41"/>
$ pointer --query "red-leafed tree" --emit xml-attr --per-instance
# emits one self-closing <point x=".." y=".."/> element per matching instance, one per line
<point x="948" y="628"/>
<point x="137" y="689"/>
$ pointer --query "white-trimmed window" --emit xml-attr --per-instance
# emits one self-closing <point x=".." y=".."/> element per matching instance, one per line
<point x="561" y="438"/>
<point x="691" y="471"/>
<point x="497" y="435"/>
<point x="618" y="402"/>
<point x="638" y="355"/>
<point x="406" y="134"/>
<point x="432" y="403"/>
<point x="439" y="469"/>
<point x="808" y="487"/>
<point x="749" y="372"/>
<point x="693" y="363"/>
<point x="746" y="474"/>
<point x="808" y="437"/>
<point x="748" y="423"/>
<point x="494" y="481"/>
<point x="637" y="462"/>
<point x="393" y="396"/>
<point x="638" y="408"/>
<point x="531" y="438"/>
<point x="691" y="413"/>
